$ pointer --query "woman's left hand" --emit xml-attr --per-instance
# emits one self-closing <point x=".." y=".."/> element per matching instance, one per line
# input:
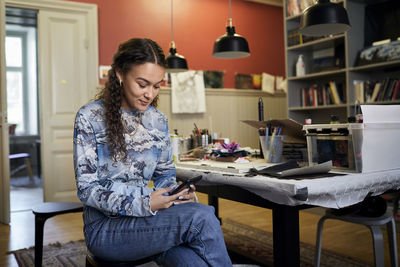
<point x="185" y="195"/>
<point x="160" y="199"/>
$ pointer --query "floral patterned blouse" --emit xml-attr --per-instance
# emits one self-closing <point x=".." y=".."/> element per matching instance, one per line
<point x="120" y="188"/>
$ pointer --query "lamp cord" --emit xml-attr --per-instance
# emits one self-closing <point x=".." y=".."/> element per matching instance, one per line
<point x="172" y="21"/>
<point x="230" y="15"/>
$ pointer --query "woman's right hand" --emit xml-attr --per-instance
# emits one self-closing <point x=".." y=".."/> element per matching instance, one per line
<point x="160" y="199"/>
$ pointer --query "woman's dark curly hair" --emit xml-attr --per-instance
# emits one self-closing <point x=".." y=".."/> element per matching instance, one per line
<point x="135" y="51"/>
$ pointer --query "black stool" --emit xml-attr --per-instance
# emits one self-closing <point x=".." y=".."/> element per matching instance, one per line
<point x="42" y="213"/>
<point x="93" y="261"/>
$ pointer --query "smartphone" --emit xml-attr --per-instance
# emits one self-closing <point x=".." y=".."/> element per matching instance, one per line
<point x="185" y="184"/>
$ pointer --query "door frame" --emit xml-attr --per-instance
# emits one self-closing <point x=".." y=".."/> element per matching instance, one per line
<point x="90" y="10"/>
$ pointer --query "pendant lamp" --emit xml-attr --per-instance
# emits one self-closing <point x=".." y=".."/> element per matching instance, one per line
<point x="324" y="18"/>
<point x="231" y="45"/>
<point x="175" y="62"/>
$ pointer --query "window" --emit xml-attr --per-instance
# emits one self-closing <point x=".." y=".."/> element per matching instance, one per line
<point x="22" y="79"/>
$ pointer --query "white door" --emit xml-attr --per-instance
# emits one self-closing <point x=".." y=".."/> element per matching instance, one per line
<point x="68" y="63"/>
<point x="63" y="89"/>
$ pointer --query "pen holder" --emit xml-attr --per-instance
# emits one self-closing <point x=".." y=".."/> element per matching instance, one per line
<point x="272" y="147"/>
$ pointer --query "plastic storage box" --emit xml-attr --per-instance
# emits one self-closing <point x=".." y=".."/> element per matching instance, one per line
<point x="356" y="147"/>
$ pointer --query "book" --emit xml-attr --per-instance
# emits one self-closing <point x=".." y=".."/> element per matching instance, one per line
<point x="294" y="38"/>
<point x="320" y="98"/>
<point x="368" y="90"/>
<point x="396" y="91"/>
<point x="314" y="96"/>
<point x="358" y="91"/>
<point x="329" y="96"/>
<point x="389" y="90"/>
<point x="341" y="92"/>
<point x="381" y="94"/>
<point x="324" y="96"/>
<point x="301" y="97"/>
<point x="293" y="7"/>
<point x="310" y="97"/>
<point x="335" y="94"/>
<point x="375" y="93"/>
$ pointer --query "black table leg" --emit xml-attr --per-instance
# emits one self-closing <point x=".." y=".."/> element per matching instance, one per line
<point x="213" y="201"/>
<point x="39" y="225"/>
<point x="286" y="236"/>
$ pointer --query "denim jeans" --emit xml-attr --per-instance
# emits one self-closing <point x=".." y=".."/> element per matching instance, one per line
<point x="183" y="235"/>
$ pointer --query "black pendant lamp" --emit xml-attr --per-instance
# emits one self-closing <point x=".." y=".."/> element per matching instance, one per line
<point x="324" y="18"/>
<point x="175" y="62"/>
<point x="231" y="45"/>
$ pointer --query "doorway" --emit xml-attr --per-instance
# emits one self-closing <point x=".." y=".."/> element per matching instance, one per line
<point x="26" y="187"/>
<point x="67" y="51"/>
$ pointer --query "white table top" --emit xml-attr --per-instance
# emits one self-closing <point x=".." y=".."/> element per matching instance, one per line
<point x="330" y="192"/>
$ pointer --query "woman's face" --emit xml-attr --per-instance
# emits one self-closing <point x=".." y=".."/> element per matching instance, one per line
<point x="141" y="85"/>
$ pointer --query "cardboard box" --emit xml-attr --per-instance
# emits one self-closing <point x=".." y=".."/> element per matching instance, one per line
<point x="287" y="146"/>
<point x="292" y="129"/>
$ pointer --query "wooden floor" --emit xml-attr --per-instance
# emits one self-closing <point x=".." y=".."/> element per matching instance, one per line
<point x="344" y="238"/>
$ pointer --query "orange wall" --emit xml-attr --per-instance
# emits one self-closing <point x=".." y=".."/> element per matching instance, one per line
<point x="197" y="24"/>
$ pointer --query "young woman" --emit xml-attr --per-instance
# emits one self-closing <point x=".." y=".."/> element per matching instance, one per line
<point x="121" y="143"/>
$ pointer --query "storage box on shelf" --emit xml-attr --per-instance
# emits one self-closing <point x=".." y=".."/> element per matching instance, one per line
<point x="334" y="59"/>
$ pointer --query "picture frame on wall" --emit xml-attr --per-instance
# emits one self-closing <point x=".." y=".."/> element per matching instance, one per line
<point x="213" y="79"/>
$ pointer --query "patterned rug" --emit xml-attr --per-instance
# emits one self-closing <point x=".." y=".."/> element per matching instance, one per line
<point x="257" y="245"/>
<point x="241" y="239"/>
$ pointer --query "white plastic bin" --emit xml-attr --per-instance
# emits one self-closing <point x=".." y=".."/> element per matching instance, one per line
<point x="380" y="146"/>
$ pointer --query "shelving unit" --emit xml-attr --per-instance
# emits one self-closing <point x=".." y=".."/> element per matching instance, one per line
<point x="344" y="72"/>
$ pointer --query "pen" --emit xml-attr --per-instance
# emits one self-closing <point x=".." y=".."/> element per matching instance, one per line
<point x="269" y="126"/>
<point x="272" y="145"/>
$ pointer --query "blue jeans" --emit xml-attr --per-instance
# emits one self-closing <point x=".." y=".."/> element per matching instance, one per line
<point x="183" y="235"/>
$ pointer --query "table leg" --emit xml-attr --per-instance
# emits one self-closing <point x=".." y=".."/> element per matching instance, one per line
<point x="39" y="225"/>
<point x="286" y="236"/>
<point x="213" y="201"/>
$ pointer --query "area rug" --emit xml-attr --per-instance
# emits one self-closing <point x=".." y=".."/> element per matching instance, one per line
<point x="254" y="244"/>
<point x="257" y="245"/>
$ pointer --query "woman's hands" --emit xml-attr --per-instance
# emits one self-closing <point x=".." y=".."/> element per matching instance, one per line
<point x="160" y="199"/>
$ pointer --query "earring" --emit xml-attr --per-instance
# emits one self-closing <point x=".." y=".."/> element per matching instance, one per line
<point x="120" y="83"/>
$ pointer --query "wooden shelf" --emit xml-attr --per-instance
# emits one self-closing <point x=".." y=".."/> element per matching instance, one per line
<point x="294" y="17"/>
<point x="318" y="44"/>
<point x="322" y="74"/>
<point x="377" y="66"/>
<point x="390" y="102"/>
<point x="232" y="91"/>
<point x="318" y="107"/>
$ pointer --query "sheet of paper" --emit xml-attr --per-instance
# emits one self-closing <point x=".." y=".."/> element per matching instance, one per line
<point x="281" y="84"/>
<point x="268" y="83"/>
<point x="380" y="113"/>
<point x="187" y="92"/>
